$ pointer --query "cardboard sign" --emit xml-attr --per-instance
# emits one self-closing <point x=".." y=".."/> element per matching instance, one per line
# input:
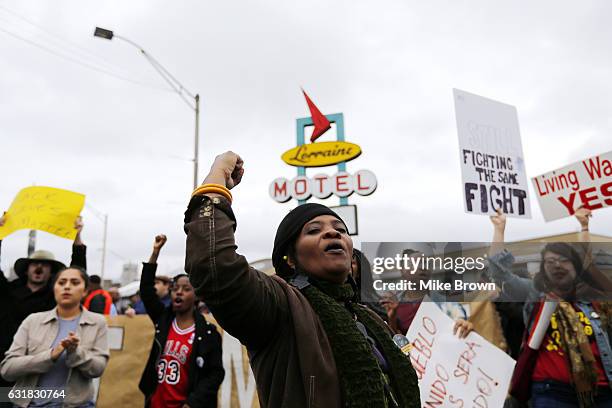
<point x="455" y="372"/>
<point x="45" y="209"/>
<point x="491" y="155"/>
<point x="585" y="183"/>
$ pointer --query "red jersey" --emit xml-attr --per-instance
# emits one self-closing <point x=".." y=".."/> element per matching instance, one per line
<point x="552" y="362"/>
<point x="173" y="368"/>
<point x="405" y="314"/>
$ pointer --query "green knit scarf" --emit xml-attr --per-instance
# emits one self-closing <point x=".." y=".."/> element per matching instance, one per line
<point x="362" y="381"/>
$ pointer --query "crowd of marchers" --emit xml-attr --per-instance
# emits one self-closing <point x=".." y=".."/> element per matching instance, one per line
<point x="316" y="333"/>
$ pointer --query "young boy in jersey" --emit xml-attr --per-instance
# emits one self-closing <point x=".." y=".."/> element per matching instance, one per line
<point x="185" y="367"/>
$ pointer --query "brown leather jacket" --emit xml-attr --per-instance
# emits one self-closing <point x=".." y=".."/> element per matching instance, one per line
<point x="289" y="352"/>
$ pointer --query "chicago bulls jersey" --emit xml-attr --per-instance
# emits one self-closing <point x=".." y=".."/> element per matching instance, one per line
<point x="173" y="368"/>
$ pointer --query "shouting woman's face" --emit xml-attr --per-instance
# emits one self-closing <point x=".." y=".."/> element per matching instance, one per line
<point x="560" y="271"/>
<point x="324" y="249"/>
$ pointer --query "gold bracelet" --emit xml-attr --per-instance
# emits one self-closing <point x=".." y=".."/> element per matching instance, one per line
<point x="204" y="186"/>
<point x="215" y="190"/>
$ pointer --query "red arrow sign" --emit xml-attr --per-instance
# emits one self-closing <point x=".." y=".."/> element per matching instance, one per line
<point x="321" y="123"/>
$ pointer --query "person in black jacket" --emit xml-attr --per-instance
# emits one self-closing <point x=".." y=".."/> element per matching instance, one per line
<point x="32" y="291"/>
<point x="185" y="367"/>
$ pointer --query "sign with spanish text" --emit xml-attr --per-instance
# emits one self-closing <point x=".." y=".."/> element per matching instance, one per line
<point x="455" y="372"/>
<point x="48" y="209"/>
<point x="491" y="155"/>
<point x="586" y="183"/>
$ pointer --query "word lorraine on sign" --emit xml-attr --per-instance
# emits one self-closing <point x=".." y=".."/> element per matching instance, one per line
<point x="321" y="154"/>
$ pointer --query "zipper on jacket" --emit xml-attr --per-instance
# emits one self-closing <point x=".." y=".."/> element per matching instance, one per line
<point x="159" y="353"/>
<point x="311" y="392"/>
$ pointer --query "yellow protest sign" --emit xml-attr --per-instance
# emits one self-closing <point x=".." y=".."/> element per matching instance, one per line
<point x="48" y="209"/>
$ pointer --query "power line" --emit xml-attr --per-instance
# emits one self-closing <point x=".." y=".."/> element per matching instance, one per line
<point x="179" y="89"/>
<point x="63" y="42"/>
<point x="81" y="63"/>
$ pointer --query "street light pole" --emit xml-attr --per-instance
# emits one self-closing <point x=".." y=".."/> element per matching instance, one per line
<point x="104" y="218"/>
<point x="197" y="141"/>
<point x="174" y="84"/>
<point x="104" y="246"/>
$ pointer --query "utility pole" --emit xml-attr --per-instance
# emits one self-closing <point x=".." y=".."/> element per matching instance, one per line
<point x="31" y="242"/>
<point x="193" y="101"/>
<point x="197" y="139"/>
<point x="104" y="246"/>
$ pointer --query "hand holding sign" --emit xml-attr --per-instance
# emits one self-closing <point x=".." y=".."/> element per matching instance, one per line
<point x="46" y="209"/>
<point x="499" y="220"/>
<point x="462" y="328"/>
<point x="582" y="215"/>
<point x="78" y="226"/>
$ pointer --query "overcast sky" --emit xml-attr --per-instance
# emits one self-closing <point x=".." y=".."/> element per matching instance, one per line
<point x="388" y="66"/>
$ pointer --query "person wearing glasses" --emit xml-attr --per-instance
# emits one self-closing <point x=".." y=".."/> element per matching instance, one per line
<point x="573" y="365"/>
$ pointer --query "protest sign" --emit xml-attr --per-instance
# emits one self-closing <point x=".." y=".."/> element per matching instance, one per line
<point x="491" y="154"/>
<point x="130" y="340"/>
<point x="585" y="183"/>
<point x="45" y="209"/>
<point x="456" y="372"/>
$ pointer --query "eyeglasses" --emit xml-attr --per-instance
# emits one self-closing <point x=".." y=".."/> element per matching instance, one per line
<point x="552" y="262"/>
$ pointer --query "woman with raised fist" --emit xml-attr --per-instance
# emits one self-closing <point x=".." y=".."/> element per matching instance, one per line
<point x="310" y="343"/>
<point x="572" y="366"/>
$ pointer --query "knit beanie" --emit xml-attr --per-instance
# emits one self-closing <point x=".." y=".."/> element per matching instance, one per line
<point x="289" y="229"/>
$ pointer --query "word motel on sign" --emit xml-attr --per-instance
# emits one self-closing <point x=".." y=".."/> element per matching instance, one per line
<point x="341" y="184"/>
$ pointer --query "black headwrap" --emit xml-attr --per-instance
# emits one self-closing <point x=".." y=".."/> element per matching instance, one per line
<point x="289" y="229"/>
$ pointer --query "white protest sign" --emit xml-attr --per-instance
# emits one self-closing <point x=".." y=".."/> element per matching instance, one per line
<point x="587" y="183"/>
<point x="455" y="372"/>
<point x="491" y="154"/>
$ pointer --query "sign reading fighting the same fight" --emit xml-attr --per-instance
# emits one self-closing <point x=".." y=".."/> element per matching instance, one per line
<point x="48" y="209"/>
<point x="455" y="372"/>
<point x="491" y="154"/>
<point x="585" y="183"/>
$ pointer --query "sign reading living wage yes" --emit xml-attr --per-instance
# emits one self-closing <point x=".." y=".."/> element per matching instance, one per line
<point x="585" y="183"/>
<point x="48" y="209"/>
<point x="455" y="372"/>
<point x="491" y="154"/>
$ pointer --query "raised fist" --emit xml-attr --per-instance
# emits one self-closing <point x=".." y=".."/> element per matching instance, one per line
<point x="228" y="164"/>
<point x="160" y="241"/>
